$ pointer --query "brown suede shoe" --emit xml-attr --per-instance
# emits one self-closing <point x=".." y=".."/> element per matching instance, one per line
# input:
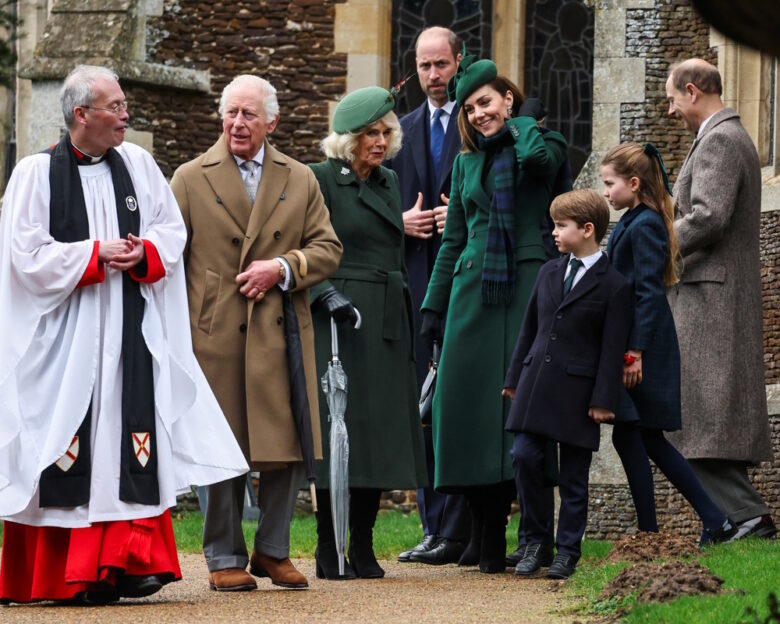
<point x="231" y="579"/>
<point x="281" y="571"/>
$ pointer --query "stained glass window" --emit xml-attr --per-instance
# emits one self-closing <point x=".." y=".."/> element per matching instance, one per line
<point x="471" y="20"/>
<point x="559" y="69"/>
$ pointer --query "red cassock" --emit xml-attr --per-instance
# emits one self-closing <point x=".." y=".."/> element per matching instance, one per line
<point x="54" y="563"/>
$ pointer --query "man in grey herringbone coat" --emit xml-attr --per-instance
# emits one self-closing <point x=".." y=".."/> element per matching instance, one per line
<point x="717" y="303"/>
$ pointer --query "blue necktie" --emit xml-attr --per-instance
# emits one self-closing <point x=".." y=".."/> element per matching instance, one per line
<point x="437" y="139"/>
<point x="575" y="265"/>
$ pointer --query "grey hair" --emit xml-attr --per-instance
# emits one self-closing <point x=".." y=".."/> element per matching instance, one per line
<point x="343" y="146"/>
<point x="270" y="103"/>
<point x="77" y="88"/>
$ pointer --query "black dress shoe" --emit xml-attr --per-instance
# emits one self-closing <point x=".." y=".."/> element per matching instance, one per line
<point x="445" y="551"/>
<point x="513" y="558"/>
<point x="428" y="542"/>
<point x="537" y="556"/>
<point x="130" y="586"/>
<point x="562" y="567"/>
<point x="722" y="534"/>
<point x="760" y="526"/>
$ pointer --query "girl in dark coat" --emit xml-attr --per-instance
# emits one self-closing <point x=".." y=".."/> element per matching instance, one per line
<point x="643" y="249"/>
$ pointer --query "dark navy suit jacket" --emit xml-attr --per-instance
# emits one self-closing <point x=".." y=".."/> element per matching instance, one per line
<point x="569" y="355"/>
<point x="638" y="248"/>
<point x="414" y="167"/>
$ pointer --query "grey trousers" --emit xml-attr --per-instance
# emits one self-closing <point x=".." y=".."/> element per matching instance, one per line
<point x="223" y="537"/>
<point x="728" y="484"/>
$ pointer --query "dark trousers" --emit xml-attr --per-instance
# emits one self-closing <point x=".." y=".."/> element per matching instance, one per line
<point x="528" y="461"/>
<point x="445" y="515"/>
<point x="727" y="482"/>
<point x="634" y="445"/>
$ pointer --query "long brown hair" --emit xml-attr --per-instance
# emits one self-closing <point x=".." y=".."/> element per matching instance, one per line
<point x="468" y="134"/>
<point x="630" y="160"/>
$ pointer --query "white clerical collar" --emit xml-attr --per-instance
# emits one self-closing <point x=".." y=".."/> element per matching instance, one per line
<point x="588" y="261"/>
<point x="258" y="157"/>
<point x="704" y="123"/>
<point x="447" y="108"/>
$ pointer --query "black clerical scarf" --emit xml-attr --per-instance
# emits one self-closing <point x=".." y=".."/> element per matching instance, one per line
<point x="69" y="223"/>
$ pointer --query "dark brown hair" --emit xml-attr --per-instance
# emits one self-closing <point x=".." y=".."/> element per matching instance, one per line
<point x="468" y="134"/>
<point x="698" y="72"/>
<point x="630" y="160"/>
<point x="582" y="206"/>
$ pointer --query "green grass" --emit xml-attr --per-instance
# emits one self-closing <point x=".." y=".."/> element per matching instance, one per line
<point x="751" y="569"/>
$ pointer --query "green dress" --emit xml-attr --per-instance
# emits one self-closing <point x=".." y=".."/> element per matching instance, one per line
<point x="469" y="413"/>
<point x="385" y="436"/>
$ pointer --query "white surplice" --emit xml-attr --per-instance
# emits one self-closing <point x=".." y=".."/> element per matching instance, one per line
<point x="60" y="348"/>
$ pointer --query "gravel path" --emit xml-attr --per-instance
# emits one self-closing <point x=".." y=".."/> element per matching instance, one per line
<point x="451" y="594"/>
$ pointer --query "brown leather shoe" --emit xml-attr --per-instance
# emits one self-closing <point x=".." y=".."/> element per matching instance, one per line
<point x="281" y="571"/>
<point x="231" y="579"/>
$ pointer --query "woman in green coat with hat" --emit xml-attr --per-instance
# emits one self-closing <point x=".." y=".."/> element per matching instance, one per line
<point x="491" y="252"/>
<point x="385" y="436"/>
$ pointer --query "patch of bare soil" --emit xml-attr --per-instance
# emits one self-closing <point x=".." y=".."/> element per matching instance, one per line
<point x="644" y="546"/>
<point x="663" y="582"/>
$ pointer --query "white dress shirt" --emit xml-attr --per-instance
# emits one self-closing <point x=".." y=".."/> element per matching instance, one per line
<point x="587" y="261"/>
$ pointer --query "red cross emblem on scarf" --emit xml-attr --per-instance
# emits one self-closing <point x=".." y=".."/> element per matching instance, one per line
<point x="142" y="446"/>
<point x="65" y="462"/>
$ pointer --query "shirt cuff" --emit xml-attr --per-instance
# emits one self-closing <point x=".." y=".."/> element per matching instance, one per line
<point x="95" y="272"/>
<point x="285" y="284"/>
<point x="151" y="268"/>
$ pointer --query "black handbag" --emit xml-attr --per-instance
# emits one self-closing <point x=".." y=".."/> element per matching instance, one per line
<point x="429" y="385"/>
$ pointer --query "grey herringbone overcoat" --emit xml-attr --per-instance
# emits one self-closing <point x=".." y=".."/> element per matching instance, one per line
<point x="717" y="304"/>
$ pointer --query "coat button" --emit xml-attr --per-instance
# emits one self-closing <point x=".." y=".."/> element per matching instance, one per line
<point x="277" y="235"/>
<point x="219" y="199"/>
<point x="559" y="315"/>
<point x="469" y="264"/>
<point x="472" y="234"/>
<point x="548" y="358"/>
<point x="553" y="336"/>
<point x="242" y="328"/>
<point x="279" y="320"/>
<point x="235" y="241"/>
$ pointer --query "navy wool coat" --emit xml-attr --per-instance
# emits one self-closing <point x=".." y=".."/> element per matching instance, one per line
<point x="415" y="171"/>
<point x="569" y="355"/>
<point x="638" y="248"/>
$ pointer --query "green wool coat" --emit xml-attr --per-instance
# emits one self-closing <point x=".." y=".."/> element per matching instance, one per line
<point x="386" y="448"/>
<point x="469" y="413"/>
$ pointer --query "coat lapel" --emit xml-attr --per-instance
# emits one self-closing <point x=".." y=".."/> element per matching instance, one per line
<point x="555" y="290"/>
<point x="587" y="282"/>
<point x="345" y="175"/>
<point x="448" y="153"/>
<point x="270" y="192"/>
<point x="417" y="140"/>
<point x="221" y="171"/>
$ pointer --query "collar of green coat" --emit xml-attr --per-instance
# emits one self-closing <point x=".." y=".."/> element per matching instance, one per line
<point x="345" y="174"/>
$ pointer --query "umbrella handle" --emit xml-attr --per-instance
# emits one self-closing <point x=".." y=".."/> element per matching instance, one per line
<point x="334" y="334"/>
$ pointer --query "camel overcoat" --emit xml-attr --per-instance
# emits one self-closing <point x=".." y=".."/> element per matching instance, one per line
<point x="241" y="344"/>
<point x="717" y="304"/>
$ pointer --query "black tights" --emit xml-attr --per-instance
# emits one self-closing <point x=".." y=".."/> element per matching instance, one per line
<point x="635" y="445"/>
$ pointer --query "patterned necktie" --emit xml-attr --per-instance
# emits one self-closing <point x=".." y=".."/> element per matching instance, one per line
<point x="437" y="138"/>
<point x="575" y="265"/>
<point x="251" y="180"/>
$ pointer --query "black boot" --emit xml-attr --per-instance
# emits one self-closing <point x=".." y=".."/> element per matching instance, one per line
<point x="363" y="507"/>
<point x="492" y="557"/>
<point x="470" y="556"/>
<point x="326" y="555"/>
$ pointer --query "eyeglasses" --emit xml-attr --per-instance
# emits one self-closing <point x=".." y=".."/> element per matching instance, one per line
<point x="117" y="109"/>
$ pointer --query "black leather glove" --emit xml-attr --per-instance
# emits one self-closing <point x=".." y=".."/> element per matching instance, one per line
<point x="337" y="304"/>
<point x="532" y="107"/>
<point x="431" y="328"/>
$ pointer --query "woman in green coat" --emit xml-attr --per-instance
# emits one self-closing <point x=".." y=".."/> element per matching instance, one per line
<point x="490" y="255"/>
<point x="385" y="437"/>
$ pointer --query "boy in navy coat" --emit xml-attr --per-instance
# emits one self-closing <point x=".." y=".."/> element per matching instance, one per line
<point x="565" y="376"/>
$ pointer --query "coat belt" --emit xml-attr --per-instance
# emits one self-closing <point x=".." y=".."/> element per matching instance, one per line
<point x="395" y="299"/>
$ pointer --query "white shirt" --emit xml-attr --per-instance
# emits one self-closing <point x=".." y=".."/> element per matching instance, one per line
<point x="587" y="261"/>
<point x="446" y="113"/>
<point x="258" y="158"/>
<point x="703" y="124"/>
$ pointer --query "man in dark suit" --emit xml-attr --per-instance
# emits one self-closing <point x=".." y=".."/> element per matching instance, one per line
<point x="565" y="376"/>
<point x="424" y="165"/>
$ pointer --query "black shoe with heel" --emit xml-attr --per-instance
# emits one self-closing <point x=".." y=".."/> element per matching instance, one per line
<point x="325" y="555"/>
